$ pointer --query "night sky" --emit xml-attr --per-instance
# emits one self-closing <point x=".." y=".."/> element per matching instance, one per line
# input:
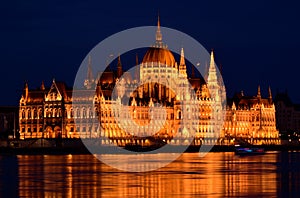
<point x="256" y="42"/>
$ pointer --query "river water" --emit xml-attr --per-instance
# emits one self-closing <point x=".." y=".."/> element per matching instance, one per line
<point x="219" y="174"/>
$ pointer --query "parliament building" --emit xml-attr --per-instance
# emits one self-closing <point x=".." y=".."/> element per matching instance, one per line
<point x="121" y="106"/>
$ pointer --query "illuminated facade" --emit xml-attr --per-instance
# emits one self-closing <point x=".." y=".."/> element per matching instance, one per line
<point x="125" y="106"/>
<point x="251" y="117"/>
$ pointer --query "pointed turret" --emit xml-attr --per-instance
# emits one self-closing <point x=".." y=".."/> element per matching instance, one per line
<point x="212" y="61"/>
<point x="182" y="66"/>
<point x="98" y="89"/>
<point x="182" y="61"/>
<point x="119" y="68"/>
<point x="25" y="90"/>
<point x="270" y="95"/>
<point x="258" y="92"/>
<point x="212" y="80"/>
<point x="42" y="86"/>
<point x="242" y="93"/>
<point x="137" y="72"/>
<point x="89" y="71"/>
<point x="151" y="104"/>
<point x="233" y="107"/>
<point x="89" y="76"/>
<point x="158" y="34"/>
<point x="193" y="72"/>
<point x="133" y="102"/>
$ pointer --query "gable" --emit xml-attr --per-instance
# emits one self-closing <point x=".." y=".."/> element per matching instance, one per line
<point x="53" y="93"/>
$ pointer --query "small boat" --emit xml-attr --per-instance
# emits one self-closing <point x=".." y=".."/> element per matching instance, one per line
<point x="249" y="150"/>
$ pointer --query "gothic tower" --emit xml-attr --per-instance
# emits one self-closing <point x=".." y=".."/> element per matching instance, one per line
<point x="212" y="80"/>
<point x="89" y="81"/>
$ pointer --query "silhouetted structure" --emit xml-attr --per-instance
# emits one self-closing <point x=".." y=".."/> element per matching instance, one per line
<point x="9" y="122"/>
<point x="287" y="115"/>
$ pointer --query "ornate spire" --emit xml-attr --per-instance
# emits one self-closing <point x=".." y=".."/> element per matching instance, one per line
<point x="212" y="80"/>
<point x="89" y="72"/>
<point x="136" y="59"/>
<point x="42" y="86"/>
<point x="193" y="72"/>
<point x="26" y="90"/>
<point x="136" y="73"/>
<point x="212" y="61"/>
<point x="89" y="76"/>
<point x="133" y="102"/>
<point x="119" y="67"/>
<point x="258" y="92"/>
<point x="182" y="61"/>
<point x="182" y="66"/>
<point x="98" y="88"/>
<point x="158" y="34"/>
<point x="233" y="107"/>
<point x="270" y="94"/>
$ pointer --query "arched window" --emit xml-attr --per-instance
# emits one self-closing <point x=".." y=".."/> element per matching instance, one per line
<point x="54" y="113"/>
<point x="29" y="113"/>
<point x="46" y="113"/>
<point x="84" y="113"/>
<point x="34" y="114"/>
<point x="40" y="115"/>
<point x="59" y="112"/>
<point x="72" y="113"/>
<point x="49" y="113"/>
<point x="179" y="114"/>
<point x="90" y="113"/>
<point x="96" y="111"/>
<point x="78" y="113"/>
<point x="23" y="114"/>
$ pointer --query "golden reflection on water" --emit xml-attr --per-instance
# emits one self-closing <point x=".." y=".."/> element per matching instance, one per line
<point x="215" y="175"/>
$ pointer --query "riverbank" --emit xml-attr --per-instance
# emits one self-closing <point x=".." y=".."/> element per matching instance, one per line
<point x="77" y="147"/>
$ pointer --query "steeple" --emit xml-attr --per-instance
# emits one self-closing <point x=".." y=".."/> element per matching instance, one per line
<point x="212" y="80"/>
<point x="89" y="71"/>
<point x="136" y="59"/>
<point x="42" y="86"/>
<point x="119" y="67"/>
<point x="233" y="107"/>
<point x="158" y="34"/>
<point x="89" y="76"/>
<point x="182" y="66"/>
<point x="270" y="95"/>
<point x="137" y="72"/>
<point x="258" y="92"/>
<point x="193" y="72"/>
<point x="98" y="88"/>
<point x="212" y="61"/>
<point x="26" y="90"/>
<point x="182" y="61"/>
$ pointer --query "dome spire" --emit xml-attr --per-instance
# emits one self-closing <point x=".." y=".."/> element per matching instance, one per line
<point x="158" y="34"/>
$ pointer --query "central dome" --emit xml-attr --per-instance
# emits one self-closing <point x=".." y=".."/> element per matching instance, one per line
<point x="161" y="55"/>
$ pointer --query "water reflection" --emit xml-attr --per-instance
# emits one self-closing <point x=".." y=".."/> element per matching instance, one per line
<point x="288" y="174"/>
<point x="9" y="180"/>
<point x="215" y="175"/>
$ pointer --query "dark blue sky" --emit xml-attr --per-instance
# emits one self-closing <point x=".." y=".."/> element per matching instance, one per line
<point x="257" y="42"/>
